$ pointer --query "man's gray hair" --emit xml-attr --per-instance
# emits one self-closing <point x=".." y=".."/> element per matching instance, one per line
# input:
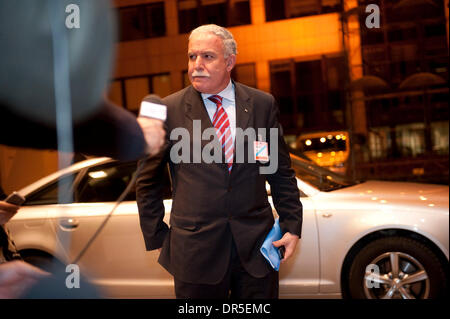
<point x="227" y="38"/>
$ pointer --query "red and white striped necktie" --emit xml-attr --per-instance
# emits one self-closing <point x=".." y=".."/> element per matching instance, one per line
<point x="223" y="130"/>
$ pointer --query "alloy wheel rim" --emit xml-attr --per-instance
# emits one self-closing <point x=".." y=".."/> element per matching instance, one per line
<point x="396" y="275"/>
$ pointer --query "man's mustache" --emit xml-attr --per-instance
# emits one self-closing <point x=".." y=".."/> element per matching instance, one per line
<point x="198" y="73"/>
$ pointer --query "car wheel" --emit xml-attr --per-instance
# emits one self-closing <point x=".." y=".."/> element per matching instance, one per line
<point x="396" y="268"/>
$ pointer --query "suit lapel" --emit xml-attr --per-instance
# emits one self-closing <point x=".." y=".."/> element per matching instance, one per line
<point x="244" y="110"/>
<point x="243" y="106"/>
<point x="196" y="110"/>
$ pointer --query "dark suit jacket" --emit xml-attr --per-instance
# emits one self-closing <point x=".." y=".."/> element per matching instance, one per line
<point x="210" y="206"/>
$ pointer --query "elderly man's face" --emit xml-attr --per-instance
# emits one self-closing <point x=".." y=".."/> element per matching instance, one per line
<point x="209" y="71"/>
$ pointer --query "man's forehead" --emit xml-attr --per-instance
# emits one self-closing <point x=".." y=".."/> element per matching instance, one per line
<point x="202" y="51"/>
<point x="206" y="42"/>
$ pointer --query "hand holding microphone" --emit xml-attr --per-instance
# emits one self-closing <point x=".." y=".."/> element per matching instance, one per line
<point x="151" y="118"/>
<point x="7" y="211"/>
<point x="10" y="206"/>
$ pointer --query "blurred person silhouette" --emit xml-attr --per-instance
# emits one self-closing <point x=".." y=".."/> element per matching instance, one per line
<point x="32" y="35"/>
<point x="51" y="72"/>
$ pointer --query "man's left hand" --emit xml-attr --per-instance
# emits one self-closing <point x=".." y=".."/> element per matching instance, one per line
<point x="289" y="241"/>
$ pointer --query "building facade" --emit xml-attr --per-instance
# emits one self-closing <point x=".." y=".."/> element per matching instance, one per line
<point x="325" y="62"/>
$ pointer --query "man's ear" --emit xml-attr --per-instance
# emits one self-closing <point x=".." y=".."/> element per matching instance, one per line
<point x="231" y="61"/>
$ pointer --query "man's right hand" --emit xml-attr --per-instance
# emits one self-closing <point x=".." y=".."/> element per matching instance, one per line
<point x="154" y="134"/>
<point x="7" y="211"/>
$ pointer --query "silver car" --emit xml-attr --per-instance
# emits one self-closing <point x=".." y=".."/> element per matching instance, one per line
<point x="370" y="239"/>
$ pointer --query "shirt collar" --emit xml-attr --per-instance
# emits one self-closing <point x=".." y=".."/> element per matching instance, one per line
<point x="227" y="93"/>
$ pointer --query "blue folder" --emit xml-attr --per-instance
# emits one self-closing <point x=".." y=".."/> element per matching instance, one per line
<point x="268" y="250"/>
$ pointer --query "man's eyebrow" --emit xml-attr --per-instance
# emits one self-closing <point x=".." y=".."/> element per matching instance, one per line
<point x="201" y="52"/>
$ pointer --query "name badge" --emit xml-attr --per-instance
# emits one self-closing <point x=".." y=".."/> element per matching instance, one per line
<point x="261" y="151"/>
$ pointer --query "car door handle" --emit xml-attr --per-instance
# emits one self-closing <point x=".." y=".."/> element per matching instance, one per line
<point x="69" y="223"/>
<point x="327" y="215"/>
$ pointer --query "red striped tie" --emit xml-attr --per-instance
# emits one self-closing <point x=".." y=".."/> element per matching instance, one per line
<point x="223" y="130"/>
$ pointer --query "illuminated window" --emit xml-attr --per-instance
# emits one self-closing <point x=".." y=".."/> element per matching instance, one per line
<point x="287" y="9"/>
<point x="142" y="21"/>
<point x="379" y="142"/>
<point x="134" y="89"/>
<point x="407" y="43"/>
<point x="245" y="74"/>
<point x="410" y="139"/>
<point x="193" y="13"/>
<point x="161" y="85"/>
<point x="186" y="81"/>
<point x="115" y="93"/>
<point x="310" y="94"/>
<point x="440" y="137"/>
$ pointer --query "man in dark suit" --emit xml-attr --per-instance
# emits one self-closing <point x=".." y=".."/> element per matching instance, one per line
<point x="220" y="212"/>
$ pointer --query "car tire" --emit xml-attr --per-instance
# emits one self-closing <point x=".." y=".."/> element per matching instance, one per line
<point x="419" y="274"/>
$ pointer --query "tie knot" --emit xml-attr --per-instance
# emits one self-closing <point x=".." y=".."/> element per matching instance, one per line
<point x="216" y="99"/>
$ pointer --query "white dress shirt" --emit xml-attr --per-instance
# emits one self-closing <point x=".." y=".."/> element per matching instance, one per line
<point x="228" y="103"/>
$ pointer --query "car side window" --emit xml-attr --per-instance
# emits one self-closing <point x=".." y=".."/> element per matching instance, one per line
<point x="106" y="182"/>
<point x="48" y="195"/>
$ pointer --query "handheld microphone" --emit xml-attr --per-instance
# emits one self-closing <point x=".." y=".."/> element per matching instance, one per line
<point x="153" y="107"/>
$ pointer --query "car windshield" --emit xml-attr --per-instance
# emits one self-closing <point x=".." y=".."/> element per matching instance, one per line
<point x="317" y="176"/>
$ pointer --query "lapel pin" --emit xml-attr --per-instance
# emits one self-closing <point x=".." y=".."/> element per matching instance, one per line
<point x="246" y="110"/>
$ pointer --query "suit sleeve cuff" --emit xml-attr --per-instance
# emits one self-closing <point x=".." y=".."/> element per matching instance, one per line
<point x="293" y="228"/>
